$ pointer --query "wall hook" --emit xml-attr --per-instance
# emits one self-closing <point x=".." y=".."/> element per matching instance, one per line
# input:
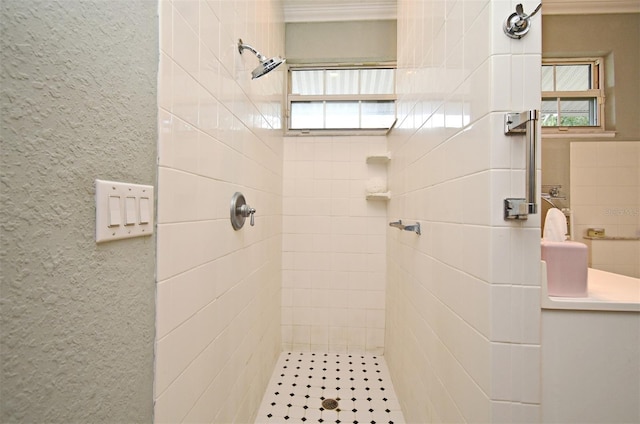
<point x="517" y="24"/>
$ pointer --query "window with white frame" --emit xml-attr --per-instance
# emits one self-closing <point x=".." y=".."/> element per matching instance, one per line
<point x="341" y="98"/>
<point x="572" y="95"/>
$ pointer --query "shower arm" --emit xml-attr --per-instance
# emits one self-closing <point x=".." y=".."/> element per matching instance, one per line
<point x="242" y="47"/>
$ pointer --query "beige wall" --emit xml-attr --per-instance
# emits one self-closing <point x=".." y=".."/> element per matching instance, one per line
<point x="78" y="103"/>
<point x="341" y="42"/>
<point x="617" y="38"/>
<point x="218" y="299"/>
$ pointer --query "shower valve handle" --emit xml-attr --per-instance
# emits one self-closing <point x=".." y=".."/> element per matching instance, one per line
<point x="246" y="210"/>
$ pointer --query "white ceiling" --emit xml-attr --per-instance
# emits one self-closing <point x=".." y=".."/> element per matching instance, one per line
<point x="354" y="10"/>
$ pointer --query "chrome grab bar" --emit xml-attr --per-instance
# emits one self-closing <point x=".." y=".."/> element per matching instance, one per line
<point x="399" y="225"/>
<point x="524" y="123"/>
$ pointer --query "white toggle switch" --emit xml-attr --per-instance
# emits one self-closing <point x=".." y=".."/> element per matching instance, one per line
<point x="144" y="210"/>
<point x="130" y="211"/>
<point x="114" y="211"/>
<point x="123" y="210"/>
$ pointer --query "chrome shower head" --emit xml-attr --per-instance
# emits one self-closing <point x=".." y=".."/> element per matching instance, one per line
<point x="266" y="65"/>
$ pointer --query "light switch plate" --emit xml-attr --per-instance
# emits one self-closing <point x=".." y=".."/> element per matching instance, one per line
<point x="123" y="210"/>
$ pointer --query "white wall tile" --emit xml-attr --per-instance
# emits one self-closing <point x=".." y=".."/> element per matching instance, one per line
<point x="214" y="282"/>
<point x="351" y="250"/>
<point x="531" y="365"/>
<point x="471" y="281"/>
<point x="502" y="412"/>
<point x="604" y="194"/>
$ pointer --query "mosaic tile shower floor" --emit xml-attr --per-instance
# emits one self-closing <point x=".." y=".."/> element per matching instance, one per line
<point x="303" y="385"/>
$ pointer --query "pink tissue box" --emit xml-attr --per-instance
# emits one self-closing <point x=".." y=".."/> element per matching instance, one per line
<point x="567" y="264"/>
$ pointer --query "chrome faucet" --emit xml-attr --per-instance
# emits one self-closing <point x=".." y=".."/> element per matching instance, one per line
<point x="399" y="225"/>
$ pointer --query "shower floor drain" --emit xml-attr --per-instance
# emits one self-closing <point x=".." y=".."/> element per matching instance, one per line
<point x="329" y="404"/>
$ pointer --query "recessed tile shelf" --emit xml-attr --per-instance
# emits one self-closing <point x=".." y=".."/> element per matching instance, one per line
<point x="379" y="196"/>
<point x="379" y="158"/>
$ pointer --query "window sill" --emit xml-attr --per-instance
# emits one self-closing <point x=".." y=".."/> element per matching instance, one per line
<point x="311" y="133"/>
<point x="578" y="135"/>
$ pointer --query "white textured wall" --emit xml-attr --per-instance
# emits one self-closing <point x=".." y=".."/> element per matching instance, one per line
<point x="334" y="246"/>
<point x="218" y="300"/>
<point x="78" y="103"/>
<point x="463" y="309"/>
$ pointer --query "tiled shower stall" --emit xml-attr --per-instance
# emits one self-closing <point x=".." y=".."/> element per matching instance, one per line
<point x="455" y="311"/>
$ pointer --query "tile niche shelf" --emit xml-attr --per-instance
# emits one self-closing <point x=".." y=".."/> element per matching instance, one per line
<point x="384" y="158"/>
<point x="379" y="196"/>
<point x="379" y="159"/>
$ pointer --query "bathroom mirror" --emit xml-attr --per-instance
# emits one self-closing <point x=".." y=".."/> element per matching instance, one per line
<point x="597" y="175"/>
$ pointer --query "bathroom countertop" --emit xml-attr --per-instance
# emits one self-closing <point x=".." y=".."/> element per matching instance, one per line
<point x="612" y="238"/>
<point x="606" y="292"/>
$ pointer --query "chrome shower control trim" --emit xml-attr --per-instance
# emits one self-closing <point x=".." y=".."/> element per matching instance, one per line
<point x="239" y="211"/>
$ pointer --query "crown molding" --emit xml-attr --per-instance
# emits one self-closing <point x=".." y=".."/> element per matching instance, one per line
<point x="338" y="10"/>
<point x="358" y="10"/>
<point x="588" y="7"/>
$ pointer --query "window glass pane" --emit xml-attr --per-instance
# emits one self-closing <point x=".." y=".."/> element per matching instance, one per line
<point x="343" y="115"/>
<point x="547" y="78"/>
<point x="307" y="115"/>
<point x="380" y="114"/>
<point x="307" y="82"/>
<point x="376" y="81"/>
<point x="351" y="111"/>
<point x="573" y="77"/>
<point x="577" y="112"/>
<point x="549" y="113"/>
<point x="342" y="81"/>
